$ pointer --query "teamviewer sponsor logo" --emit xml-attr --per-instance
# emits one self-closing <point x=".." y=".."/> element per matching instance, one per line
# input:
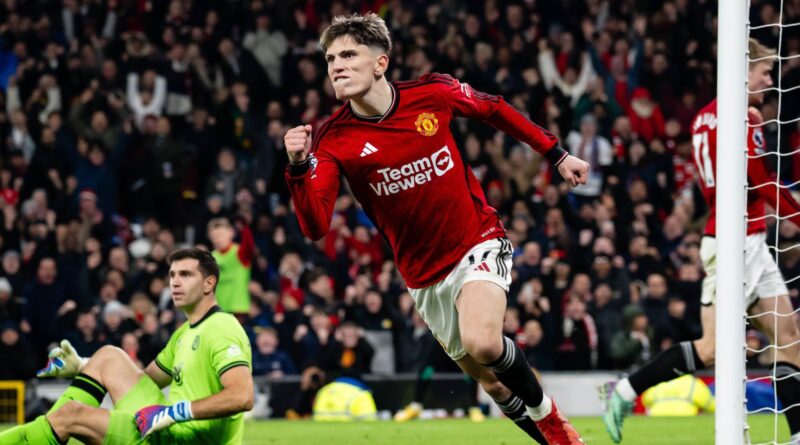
<point x="442" y="161"/>
<point x="413" y="174"/>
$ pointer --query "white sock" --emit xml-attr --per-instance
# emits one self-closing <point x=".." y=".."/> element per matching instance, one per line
<point x="541" y="411"/>
<point x="625" y="390"/>
<point x="795" y="440"/>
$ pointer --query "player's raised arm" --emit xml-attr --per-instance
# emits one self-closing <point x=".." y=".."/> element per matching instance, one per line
<point x="760" y="175"/>
<point x="778" y="198"/>
<point x="313" y="180"/>
<point x="574" y="170"/>
<point x="298" y="144"/>
<point x="494" y="110"/>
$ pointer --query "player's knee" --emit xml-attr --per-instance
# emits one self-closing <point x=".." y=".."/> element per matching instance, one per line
<point x="788" y="342"/>
<point x="105" y="362"/>
<point x="483" y="349"/>
<point x="109" y="351"/>
<point x="73" y="409"/>
<point x="109" y="354"/>
<point x="67" y="415"/>
<point x="789" y="345"/>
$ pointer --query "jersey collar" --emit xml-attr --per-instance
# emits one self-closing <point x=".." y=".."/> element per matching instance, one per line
<point x="214" y="309"/>
<point x="384" y="116"/>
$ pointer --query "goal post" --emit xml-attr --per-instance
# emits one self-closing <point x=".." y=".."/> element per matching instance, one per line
<point x="731" y="193"/>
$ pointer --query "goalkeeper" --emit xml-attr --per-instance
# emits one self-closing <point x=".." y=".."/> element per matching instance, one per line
<point x="207" y="361"/>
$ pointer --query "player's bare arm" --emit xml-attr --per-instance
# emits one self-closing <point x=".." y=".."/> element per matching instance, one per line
<point x="496" y="112"/>
<point x="236" y="396"/>
<point x="156" y="374"/>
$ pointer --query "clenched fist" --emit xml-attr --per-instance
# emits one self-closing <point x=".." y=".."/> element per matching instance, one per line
<point x="574" y="170"/>
<point x="298" y="143"/>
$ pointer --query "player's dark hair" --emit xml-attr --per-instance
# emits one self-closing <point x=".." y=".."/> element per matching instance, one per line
<point x="367" y="29"/>
<point x="206" y="263"/>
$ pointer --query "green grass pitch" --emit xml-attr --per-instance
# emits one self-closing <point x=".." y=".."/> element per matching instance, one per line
<point x="638" y="430"/>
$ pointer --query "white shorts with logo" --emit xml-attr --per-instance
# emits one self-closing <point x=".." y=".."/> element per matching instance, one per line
<point x="487" y="261"/>
<point x="762" y="277"/>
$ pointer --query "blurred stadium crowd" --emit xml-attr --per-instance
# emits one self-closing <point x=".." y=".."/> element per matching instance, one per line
<point x="126" y="126"/>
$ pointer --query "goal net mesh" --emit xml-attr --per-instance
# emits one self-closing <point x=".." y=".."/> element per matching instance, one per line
<point x="776" y="25"/>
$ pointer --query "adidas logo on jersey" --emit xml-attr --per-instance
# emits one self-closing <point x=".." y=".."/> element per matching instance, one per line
<point x="368" y="150"/>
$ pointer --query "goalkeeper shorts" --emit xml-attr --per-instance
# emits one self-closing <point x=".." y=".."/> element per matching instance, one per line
<point x="122" y="426"/>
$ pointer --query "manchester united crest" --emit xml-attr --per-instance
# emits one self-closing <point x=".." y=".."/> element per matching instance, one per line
<point x="427" y="124"/>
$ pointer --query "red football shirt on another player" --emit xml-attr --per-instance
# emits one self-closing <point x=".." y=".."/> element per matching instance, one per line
<point x="407" y="173"/>
<point x="704" y="141"/>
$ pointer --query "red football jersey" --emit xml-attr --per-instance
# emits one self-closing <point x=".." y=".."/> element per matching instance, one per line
<point x="704" y="140"/>
<point x="406" y="171"/>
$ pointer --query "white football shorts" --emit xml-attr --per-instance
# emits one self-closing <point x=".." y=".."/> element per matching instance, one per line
<point x="763" y="278"/>
<point x="487" y="261"/>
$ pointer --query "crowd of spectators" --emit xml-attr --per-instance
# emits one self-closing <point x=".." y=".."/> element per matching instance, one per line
<point x="127" y="125"/>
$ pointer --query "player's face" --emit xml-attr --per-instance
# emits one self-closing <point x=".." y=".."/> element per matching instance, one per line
<point x="759" y="77"/>
<point x="221" y="237"/>
<point x="353" y="68"/>
<point x="187" y="283"/>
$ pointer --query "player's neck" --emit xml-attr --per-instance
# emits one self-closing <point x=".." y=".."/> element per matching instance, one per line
<point x="376" y="101"/>
<point x="196" y="312"/>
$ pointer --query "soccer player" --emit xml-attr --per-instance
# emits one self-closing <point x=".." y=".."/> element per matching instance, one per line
<point x="765" y="290"/>
<point x="392" y="142"/>
<point x="235" y="262"/>
<point x="207" y="362"/>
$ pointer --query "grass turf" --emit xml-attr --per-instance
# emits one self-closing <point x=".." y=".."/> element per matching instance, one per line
<point x="638" y="430"/>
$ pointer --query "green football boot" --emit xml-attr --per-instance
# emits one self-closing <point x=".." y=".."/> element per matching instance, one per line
<point x="616" y="410"/>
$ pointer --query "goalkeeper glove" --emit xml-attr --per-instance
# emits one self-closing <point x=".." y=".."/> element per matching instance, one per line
<point x="158" y="417"/>
<point x="63" y="362"/>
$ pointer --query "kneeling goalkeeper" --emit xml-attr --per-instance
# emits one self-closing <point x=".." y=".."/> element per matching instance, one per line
<point x="207" y="361"/>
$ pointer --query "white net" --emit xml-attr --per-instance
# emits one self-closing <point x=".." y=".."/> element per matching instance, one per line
<point x="776" y="25"/>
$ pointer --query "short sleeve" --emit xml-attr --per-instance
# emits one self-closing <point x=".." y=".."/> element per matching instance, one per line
<point x="229" y="350"/>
